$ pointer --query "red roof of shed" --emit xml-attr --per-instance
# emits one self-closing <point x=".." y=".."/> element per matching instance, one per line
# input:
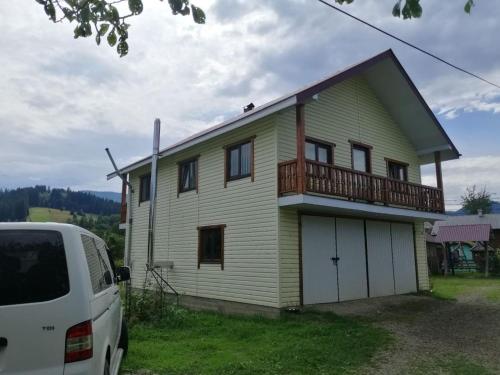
<point x="463" y="233"/>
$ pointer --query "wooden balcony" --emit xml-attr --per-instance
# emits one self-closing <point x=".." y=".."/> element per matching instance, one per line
<point x="341" y="182"/>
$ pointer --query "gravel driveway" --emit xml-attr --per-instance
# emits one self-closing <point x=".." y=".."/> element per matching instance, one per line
<point x="430" y="332"/>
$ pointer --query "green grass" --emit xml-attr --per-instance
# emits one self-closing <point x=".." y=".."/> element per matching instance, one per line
<point x="454" y="365"/>
<point x="43" y="214"/>
<point x="450" y="287"/>
<point x="209" y="343"/>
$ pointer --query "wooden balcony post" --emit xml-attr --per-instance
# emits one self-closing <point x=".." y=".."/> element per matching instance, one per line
<point x="439" y="176"/>
<point x="301" y="143"/>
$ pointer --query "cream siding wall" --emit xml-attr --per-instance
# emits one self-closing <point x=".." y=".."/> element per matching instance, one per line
<point x="351" y="110"/>
<point x="421" y="257"/>
<point x="289" y="257"/>
<point x="249" y="210"/>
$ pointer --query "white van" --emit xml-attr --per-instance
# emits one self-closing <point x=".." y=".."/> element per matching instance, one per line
<point x="60" y="308"/>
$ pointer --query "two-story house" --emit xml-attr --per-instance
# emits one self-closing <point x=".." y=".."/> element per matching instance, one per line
<point x="315" y="197"/>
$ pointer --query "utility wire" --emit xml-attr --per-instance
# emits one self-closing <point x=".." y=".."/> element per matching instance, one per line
<point x="409" y="44"/>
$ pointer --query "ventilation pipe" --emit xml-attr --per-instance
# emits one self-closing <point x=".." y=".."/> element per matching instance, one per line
<point x="152" y="195"/>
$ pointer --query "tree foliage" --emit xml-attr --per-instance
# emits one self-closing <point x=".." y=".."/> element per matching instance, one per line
<point x="474" y="200"/>
<point x="411" y="8"/>
<point x="108" y="18"/>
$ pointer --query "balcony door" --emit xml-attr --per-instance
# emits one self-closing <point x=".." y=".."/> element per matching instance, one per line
<point x="361" y="158"/>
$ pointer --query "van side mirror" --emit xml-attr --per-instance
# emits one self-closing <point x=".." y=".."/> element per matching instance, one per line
<point x="122" y="274"/>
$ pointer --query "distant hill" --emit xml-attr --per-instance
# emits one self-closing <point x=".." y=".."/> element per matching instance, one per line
<point x="495" y="209"/>
<point x="111" y="195"/>
<point x="15" y="204"/>
<point x="45" y="214"/>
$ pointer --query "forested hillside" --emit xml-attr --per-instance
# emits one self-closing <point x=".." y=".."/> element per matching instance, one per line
<point x="15" y="204"/>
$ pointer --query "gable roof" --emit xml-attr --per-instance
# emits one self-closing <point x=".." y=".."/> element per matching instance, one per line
<point x="391" y="84"/>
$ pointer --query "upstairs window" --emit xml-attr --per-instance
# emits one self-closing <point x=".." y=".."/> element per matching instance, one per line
<point x="361" y="158"/>
<point x="397" y="170"/>
<point x="239" y="160"/>
<point x="211" y="245"/>
<point x="188" y="175"/>
<point x="319" y="151"/>
<point x="145" y="188"/>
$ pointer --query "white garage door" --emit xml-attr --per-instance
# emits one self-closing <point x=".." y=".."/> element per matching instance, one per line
<point x="352" y="260"/>
<point x="379" y="250"/>
<point x="404" y="258"/>
<point x="346" y="259"/>
<point x="319" y="271"/>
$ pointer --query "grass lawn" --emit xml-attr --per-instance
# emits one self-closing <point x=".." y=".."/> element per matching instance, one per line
<point x="451" y="287"/>
<point x="42" y="214"/>
<point x="187" y="342"/>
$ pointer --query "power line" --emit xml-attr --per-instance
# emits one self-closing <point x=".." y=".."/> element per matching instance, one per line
<point x="409" y="44"/>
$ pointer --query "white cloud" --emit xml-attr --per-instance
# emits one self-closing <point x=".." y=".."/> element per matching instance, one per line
<point x="63" y="100"/>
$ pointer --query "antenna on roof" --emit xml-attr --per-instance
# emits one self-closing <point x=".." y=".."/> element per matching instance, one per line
<point x="117" y="171"/>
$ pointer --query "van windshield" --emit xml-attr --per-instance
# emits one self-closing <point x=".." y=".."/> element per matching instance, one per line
<point x="32" y="266"/>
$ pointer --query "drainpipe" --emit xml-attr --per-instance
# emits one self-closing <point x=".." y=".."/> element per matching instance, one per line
<point x="152" y="196"/>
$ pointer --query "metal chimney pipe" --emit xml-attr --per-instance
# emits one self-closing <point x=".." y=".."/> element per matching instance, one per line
<point x="152" y="196"/>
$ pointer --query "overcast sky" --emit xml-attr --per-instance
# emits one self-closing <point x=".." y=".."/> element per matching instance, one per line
<point x="62" y="101"/>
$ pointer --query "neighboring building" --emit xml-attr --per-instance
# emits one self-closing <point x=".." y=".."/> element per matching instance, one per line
<point x="491" y="219"/>
<point x="470" y="253"/>
<point x="313" y="198"/>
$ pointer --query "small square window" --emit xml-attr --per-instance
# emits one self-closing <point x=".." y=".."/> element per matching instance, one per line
<point x="188" y="175"/>
<point x="211" y="245"/>
<point x="145" y="188"/>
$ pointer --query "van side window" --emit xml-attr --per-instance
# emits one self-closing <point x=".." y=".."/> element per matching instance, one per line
<point x="97" y="265"/>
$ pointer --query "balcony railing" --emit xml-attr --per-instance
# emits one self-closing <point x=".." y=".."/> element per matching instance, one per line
<point x="336" y="181"/>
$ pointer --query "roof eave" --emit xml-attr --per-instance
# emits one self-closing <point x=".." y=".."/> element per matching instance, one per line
<point x="254" y="115"/>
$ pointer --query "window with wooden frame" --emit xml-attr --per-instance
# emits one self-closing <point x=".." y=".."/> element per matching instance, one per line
<point x="320" y="151"/>
<point x="211" y="245"/>
<point x="239" y="160"/>
<point x="187" y="175"/>
<point x="361" y="157"/>
<point x="397" y="170"/>
<point x="145" y="188"/>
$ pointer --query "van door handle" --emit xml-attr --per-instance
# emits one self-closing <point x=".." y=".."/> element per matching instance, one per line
<point x="3" y="342"/>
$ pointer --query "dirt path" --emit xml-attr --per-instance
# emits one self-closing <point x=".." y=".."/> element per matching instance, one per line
<point x="432" y="335"/>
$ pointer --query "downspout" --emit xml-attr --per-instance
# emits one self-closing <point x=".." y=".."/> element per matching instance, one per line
<point x="128" y="243"/>
<point x="152" y="196"/>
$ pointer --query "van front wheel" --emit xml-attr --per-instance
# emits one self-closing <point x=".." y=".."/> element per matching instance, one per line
<point x="123" y="344"/>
